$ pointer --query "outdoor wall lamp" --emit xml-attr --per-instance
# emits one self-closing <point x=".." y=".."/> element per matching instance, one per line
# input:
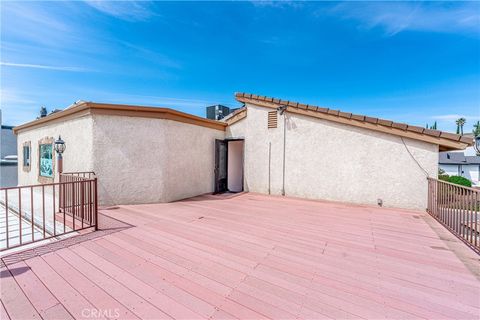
<point x="60" y="148"/>
<point x="476" y="144"/>
<point x="281" y="109"/>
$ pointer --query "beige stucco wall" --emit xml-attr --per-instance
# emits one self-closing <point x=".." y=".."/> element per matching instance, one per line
<point x="143" y="160"/>
<point x="332" y="161"/>
<point x="77" y="134"/>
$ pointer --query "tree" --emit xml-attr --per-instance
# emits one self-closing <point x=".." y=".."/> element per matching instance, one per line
<point x="433" y="127"/>
<point x="460" y="123"/>
<point x="476" y="129"/>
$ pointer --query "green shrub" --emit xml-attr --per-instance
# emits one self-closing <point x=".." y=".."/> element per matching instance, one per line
<point x="442" y="175"/>
<point x="460" y="181"/>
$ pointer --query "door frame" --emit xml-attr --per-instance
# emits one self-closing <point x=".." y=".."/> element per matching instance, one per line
<point x="216" y="168"/>
<point x="216" y="179"/>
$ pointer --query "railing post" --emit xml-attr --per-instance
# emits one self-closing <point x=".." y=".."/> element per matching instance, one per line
<point x="96" y="202"/>
<point x="6" y="215"/>
<point x="82" y="201"/>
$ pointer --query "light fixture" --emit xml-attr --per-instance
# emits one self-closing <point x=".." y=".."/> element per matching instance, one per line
<point x="60" y="146"/>
<point x="476" y="144"/>
<point x="282" y="109"/>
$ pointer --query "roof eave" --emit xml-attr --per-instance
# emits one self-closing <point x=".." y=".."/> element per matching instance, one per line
<point x="446" y="141"/>
<point x="122" y="110"/>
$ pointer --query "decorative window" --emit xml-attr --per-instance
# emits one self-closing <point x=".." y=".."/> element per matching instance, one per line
<point x="46" y="160"/>
<point x="46" y="163"/>
<point x="26" y="155"/>
<point x="272" y="119"/>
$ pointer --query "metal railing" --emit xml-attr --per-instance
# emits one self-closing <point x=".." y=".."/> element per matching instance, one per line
<point x="457" y="208"/>
<point x="82" y="174"/>
<point x="77" y="193"/>
<point x="39" y="212"/>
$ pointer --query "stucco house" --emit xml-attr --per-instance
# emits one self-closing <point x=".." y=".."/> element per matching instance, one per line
<point x="8" y="155"/>
<point x="459" y="164"/>
<point x="272" y="146"/>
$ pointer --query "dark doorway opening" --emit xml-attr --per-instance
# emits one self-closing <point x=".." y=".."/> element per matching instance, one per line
<point x="229" y="165"/>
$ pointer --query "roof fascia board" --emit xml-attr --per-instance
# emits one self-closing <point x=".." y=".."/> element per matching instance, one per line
<point x="72" y="113"/>
<point x="237" y="117"/>
<point x="122" y="110"/>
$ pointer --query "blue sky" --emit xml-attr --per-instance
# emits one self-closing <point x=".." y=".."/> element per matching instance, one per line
<point x="405" y="61"/>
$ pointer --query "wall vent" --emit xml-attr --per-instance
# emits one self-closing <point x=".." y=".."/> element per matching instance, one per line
<point x="272" y="119"/>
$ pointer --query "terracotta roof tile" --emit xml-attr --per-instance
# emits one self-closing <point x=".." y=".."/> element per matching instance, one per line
<point x="415" y="129"/>
<point x="345" y="114"/>
<point x="381" y="122"/>
<point x="399" y="125"/>
<point x="384" y="122"/>
<point x="292" y="104"/>
<point x="371" y="120"/>
<point x="358" y="117"/>
<point x="466" y="139"/>
<point x="433" y="133"/>
<point x="450" y="136"/>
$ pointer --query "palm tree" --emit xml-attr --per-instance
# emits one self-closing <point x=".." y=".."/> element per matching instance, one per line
<point x="476" y="129"/>
<point x="460" y="123"/>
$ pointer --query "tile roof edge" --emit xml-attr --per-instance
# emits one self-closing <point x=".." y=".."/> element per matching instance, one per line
<point x="362" y="118"/>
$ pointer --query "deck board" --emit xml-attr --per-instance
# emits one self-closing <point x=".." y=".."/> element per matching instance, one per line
<point x="249" y="257"/>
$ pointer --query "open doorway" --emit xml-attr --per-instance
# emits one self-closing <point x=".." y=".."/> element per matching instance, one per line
<point x="229" y="165"/>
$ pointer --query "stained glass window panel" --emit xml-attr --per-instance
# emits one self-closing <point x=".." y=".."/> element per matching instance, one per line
<point x="46" y="160"/>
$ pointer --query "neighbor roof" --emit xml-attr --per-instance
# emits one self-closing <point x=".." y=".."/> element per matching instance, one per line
<point x="83" y="108"/>
<point x="446" y="141"/>
<point x="457" y="158"/>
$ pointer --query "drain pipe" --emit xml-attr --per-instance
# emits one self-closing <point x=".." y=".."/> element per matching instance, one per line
<point x="269" y="165"/>
<point x="281" y="110"/>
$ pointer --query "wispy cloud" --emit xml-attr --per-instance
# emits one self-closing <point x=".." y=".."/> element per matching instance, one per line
<point x="395" y="17"/>
<point x="278" y="3"/>
<point x="153" y="56"/>
<point x="126" y="10"/>
<point x="41" y="66"/>
<point x="453" y="117"/>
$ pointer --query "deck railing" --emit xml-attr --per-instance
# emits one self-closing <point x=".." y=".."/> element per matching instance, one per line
<point x="457" y="208"/>
<point x="39" y="212"/>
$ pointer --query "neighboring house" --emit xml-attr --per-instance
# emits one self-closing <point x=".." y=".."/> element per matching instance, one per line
<point x="146" y="154"/>
<point x="458" y="164"/>
<point x="8" y="156"/>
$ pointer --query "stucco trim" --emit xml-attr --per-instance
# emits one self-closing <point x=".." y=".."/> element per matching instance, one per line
<point x="43" y="179"/>
<point x="445" y="144"/>
<point x="236" y="116"/>
<point x="88" y="108"/>
<point x="29" y="167"/>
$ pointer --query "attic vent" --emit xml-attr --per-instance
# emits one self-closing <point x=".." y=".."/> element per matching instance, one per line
<point x="272" y="119"/>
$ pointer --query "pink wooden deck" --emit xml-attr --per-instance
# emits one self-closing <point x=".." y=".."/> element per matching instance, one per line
<point x="247" y="257"/>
